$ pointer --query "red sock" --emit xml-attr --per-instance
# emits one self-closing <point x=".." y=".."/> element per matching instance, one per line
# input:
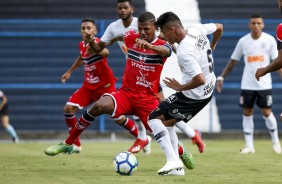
<point x="180" y="150"/>
<point x="71" y="121"/>
<point x="130" y="126"/>
<point x="79" y="127"/>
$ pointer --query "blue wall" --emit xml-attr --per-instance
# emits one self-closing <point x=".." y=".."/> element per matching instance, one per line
<point x="35" y="53"/>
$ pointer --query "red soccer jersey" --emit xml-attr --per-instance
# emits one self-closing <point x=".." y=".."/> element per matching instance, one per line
<point x="97" y="72"/>
<point x="143" y="67"/>
<point x="279" y="36"/>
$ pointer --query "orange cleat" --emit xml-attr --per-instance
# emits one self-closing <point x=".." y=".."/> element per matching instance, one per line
<point x="198" y="141"/>
<point x="138" y="145"/>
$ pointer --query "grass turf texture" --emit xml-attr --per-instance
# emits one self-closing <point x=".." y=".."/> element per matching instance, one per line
<point x="221" y="162"/>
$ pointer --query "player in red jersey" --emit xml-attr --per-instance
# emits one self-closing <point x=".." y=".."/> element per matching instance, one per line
<point x="139" y="92"/>
<point x="98" y="79"/>
<point x="277" y="63"/>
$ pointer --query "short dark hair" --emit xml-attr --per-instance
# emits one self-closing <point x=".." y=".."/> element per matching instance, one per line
<point x="88" y="20"/>
<point x="123" y="1"/>
<point x="168" y="18"/>
<point x="146" y="16"/>
<point x="254" y="16"/>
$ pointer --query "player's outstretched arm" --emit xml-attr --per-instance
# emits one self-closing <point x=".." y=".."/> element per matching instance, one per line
<point x="228" y="68"/>
<point x="216" y="35"/>
<point x="197" y="81"/>
<point x="78" y="62"/>
<point x="112" y="41"/>
<point x="96" y="47"/>
<point x="274" y="66"/>
<point x="159" y="49"/>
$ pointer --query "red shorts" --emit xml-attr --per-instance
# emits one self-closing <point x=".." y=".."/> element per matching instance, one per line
<point x="129" y="103"/>
<point x="84" y="96"/>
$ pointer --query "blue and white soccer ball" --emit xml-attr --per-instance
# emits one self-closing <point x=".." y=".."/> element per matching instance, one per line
<point x="125" y="163"/>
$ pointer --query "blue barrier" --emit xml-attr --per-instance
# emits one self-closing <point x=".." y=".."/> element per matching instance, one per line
<point x="69" y="28"/>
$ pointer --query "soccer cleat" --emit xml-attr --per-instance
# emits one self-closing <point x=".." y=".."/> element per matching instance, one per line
<point x="138" y="145"/>
<point x="76" y="149"/>
<point x="170" y="166"/>
<point x="147" y="148"/>
<point x="15" y="140"/>
<point x="186" y="157"/>
<point x="59" y="148"/>
<point x="247" y="150"/>
<point x="198" y="141"/>
<point x="277" y="148"/>
<point x="174" y="172"/>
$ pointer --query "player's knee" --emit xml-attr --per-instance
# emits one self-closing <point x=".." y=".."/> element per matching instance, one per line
<point x="70" y="109"/>
<point x="121" y="120"/>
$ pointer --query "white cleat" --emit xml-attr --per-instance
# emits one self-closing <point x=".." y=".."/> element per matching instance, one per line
<point x="277" y="148"/>
<point x="147" y="148"/>
<point x="76" y="149"/>
<point x="174" y="172"/>
<point x="168" y="168"/>
<point x="247" y="150"/>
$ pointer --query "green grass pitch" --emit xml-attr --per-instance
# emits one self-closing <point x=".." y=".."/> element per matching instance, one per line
<point x="26" y="163"/>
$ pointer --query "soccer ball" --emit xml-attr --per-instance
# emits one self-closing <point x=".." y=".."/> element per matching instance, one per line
<point x="125" y="163"/>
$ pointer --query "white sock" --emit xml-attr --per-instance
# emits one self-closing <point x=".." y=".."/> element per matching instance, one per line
<point x="141" y="128"/>
<point x="271" y="124"/>
<point x="174" y="139"/>
<point x="184" y="127"/>
<point x="162" y="137"/>
<point x="248" y="129"/>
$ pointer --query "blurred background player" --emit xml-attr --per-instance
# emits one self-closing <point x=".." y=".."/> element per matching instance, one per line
<point x="277" y="63"/>
<point x="257" y="48"/>
<point x="4" y="112"/>
<point x="98" y="79"/>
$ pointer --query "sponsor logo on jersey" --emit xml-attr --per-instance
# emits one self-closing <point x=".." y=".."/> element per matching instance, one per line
<point x="208" y="88"/>
<point x="201" y="41"/>
<point x="90" y="68"/>
<point x="251" y="59"/>
<point x="143" y="67"/>
<point x="141" y="80"/>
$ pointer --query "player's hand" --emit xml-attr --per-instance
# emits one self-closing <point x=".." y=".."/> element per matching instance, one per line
<point x="65" y="77"/>
<point x="143" y="44"/>
<point x="111" y="42"/>
<point x="87" y="37"/>
<point x="173" y="84"/>
<point x="219" y="85"/>
<point x="260" y="72"/>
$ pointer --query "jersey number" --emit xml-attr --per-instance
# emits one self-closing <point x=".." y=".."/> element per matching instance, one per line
<point x="209" y="55"/>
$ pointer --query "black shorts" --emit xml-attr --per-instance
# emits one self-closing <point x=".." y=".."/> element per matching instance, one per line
<point x="4" y="110"/>
<point x="179" y="107"/>
<point x="262" y="98"/>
